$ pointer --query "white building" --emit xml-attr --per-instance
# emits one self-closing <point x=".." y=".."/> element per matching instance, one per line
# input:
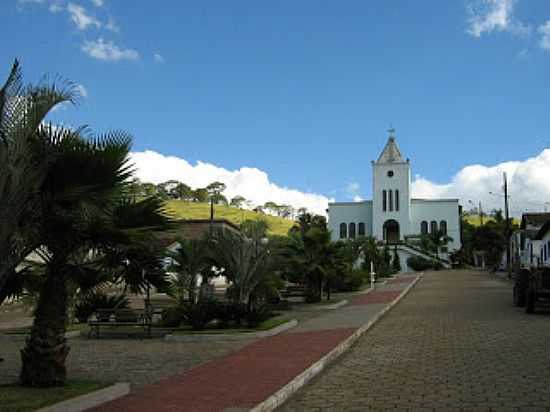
<point x="393" y="216"/>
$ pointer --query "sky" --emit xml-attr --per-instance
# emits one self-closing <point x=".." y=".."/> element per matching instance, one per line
<point x="290" y="101"/>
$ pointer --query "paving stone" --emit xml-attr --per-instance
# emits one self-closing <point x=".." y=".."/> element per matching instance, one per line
<point x="455" y="342"/>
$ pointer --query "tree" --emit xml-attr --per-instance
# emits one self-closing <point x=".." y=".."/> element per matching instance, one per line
<point x="272" y="207"/>
<point x="22" y="112"/>
<point x="311" y="253"/>
<point x="246" y="264"/>
<point x="255" y="229"/>
<point x="189" y="261"/>
<point x="181" y="191"/>
<point x="238" y="201"/>
<point x="216" y="188"/>
<point x="83" y="212"/>
<point x="200" y="195"/>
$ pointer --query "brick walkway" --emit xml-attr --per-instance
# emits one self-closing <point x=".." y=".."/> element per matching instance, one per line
<point x="242" y="380"/>
<point x="455" y="343"/>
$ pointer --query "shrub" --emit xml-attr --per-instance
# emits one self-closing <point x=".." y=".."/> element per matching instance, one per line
<point x="230" y="313"/>
<point x="198" y="315"/>
<point x="172" y="317"/>
<point x="97" y="300"/>
<point x="419" y="264"/>
<point x="351" y="281"/>
<point x="257" y="315"/>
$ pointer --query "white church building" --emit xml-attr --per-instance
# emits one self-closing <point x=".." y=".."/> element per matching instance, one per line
<point x="393" y="216"/>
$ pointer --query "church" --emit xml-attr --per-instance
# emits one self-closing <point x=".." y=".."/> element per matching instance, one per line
<point x="393" y="216"/>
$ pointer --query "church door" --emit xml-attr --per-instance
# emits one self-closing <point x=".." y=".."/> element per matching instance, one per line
<point x="391" y="231"/>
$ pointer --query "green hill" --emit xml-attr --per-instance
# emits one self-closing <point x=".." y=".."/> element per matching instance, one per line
<point x="476" y="221"/>
<point x="181" y="209"/>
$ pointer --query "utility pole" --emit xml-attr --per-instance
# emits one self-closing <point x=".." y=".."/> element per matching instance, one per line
<point x="507" y="217"/>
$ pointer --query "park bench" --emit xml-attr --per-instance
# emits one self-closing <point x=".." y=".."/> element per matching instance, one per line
<point x="293" y="290"/>
<point x="119" y="317"/>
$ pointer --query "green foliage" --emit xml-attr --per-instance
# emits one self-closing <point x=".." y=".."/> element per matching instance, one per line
<point x="419" y="264"/>
<point x="97" y="300"/>
<point x="199" y="314"/>
<point x="191" y="259"/>
<point x="352" y="280"/>
<point x="257" y="315"/>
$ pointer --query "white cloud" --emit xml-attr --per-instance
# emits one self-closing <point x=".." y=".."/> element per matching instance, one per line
<point x="56" y="7"/>
<point x="486" y="16"/>
<point x="544" y="31"/>
<point x="23" y="2"/>
<point x="81" y="18"/>
<point x="112" y="26"/>
<point x="98" y="3"/>
<point x="353" y="191"/>
<point x="158" y="57"/>
<point x="252" y="183"/>
<point x="528" y="181"/>
<point x="107" y="50"/>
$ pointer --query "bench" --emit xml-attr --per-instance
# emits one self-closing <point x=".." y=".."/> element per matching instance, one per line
<point x="293" y="291"/>
<point x="119" y="317"/>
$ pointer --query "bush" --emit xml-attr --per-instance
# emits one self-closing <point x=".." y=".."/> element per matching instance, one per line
<point x="172" y="317"/>
<point x="198" y="315"/>
<point x="419" y="264"/>
<point x="257" y="315"/>
<point x="351" y="281"/>
<point x="97" y="300"/>
<point x="230" y="313"/>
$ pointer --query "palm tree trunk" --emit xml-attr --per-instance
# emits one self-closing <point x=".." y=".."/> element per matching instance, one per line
<point x="46" y="349"/>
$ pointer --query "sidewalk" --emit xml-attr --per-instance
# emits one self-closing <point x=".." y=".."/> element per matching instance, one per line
<point x="244" y="379"/>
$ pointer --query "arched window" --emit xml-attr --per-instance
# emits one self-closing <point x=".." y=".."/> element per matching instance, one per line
<point x="352" y="230"/>
<point x="361" y="229"/>
<point x="391" y="200"/>
<point x="397" y="200"/>
<point x="443" y="227"/>
<point x="433" y="226"/>
<point x="424" y="228"/>
<point x="384" y="201"/>
<point x="343" y="231"/>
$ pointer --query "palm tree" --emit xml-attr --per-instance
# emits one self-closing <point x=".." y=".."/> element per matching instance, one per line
<point x="190" y="260"/>
<point x="84" y="210"/>
<point x="246" y="264"/>
<point x="22" y="112"/>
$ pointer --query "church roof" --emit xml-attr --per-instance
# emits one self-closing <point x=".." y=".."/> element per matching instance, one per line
<point x="391" y="153"/>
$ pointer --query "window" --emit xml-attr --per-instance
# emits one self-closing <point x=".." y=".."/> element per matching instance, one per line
<point x="384" y="200"/>
<point x="391" y="200"/>
<point x="424" y="228"/>
<point x="361" y="229"/>
<point x="352" y="230"/>
<point x="397" y="200"/>
<point x="443" y="227"/>
<point x="390" y="173"/>
<point x="343" y="231"/>
<point x="433" y="226"/>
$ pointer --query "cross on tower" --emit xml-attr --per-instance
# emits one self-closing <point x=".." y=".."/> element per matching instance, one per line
<point x="391" y="131"/>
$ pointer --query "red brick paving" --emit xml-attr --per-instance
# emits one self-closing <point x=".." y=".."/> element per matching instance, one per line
<point x="376" y="297"/>
<point x="240" y="380"/>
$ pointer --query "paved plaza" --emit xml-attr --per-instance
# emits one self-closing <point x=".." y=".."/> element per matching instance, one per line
<point x="454" y="343"/>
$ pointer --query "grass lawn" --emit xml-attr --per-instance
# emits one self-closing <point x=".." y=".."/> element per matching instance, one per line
<point x="265" y="325"/>
<point x="15" y="398"/>
<point x="180" y="209"/>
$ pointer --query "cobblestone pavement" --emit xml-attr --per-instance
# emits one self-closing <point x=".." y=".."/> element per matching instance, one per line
<point x="134" y="360"/>
<point x="454" y="343"/>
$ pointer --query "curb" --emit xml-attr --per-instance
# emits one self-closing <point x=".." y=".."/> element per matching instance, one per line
<point x="90" y="400"/>
<point x="279" y="397"/>
<point x="228" y="337"/>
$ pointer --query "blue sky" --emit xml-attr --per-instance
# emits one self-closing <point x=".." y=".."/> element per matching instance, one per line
<point x="303" y="91"/>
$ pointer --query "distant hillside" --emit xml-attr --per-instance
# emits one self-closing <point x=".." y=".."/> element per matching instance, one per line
<point x="475" y="220"/>
<point x="181" y="209"/>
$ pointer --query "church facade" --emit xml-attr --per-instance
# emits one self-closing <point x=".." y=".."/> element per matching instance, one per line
<point x="393" y="215"/>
